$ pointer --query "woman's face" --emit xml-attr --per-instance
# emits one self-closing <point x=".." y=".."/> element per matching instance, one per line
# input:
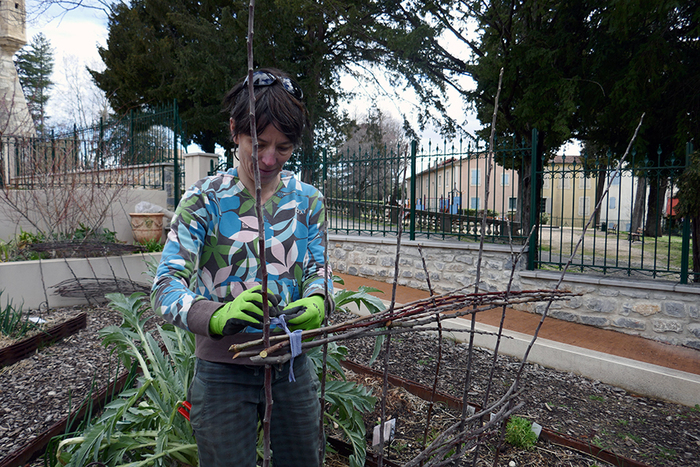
<point x="274" y="150"/>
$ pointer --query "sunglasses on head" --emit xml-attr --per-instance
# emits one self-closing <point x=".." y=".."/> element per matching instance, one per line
<point x="263" y="78"/>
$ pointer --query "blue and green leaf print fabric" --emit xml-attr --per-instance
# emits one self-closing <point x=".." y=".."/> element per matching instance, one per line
<point x="212" y="247"/>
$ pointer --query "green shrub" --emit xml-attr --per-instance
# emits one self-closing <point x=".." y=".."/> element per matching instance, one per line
<point x="519" y="433"/>
<point x="151" y="246"/>
<point x="11" y="322"/>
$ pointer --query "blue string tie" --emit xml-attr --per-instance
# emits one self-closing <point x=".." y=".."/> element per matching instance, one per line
<point x="294" y="342"/>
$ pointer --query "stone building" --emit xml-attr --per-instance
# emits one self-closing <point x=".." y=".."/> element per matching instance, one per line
<point x="15" y="118"/>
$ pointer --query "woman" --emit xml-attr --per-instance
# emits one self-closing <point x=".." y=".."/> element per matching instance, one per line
<point x="208" y="282"/>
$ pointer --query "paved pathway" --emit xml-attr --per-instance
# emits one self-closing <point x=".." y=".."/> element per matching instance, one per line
<point x="589" y="337"/>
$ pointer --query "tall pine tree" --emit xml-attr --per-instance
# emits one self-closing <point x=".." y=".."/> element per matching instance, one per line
<point x="34" y="66"/>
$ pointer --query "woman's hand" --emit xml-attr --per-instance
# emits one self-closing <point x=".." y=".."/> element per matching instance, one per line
<point x="305" y="313"/>
<point x="245" y="310"/>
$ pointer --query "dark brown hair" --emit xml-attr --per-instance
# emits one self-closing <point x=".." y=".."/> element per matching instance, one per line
<point x="273" y="105"/>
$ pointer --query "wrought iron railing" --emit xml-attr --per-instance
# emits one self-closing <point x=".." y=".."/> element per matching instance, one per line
<point x="440" y="190"/>
<point x="139" y="149"/>
<point x="636" y="233"/>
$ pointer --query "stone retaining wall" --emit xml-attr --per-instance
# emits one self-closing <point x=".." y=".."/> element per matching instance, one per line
<point x="656" y="310"/>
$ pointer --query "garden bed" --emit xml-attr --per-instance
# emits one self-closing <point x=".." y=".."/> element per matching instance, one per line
<point x="40" y="390"/>
<point x="41" y="335"/>
<point x="646" y="430"/>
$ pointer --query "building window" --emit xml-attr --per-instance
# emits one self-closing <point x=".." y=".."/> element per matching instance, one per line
<point x="512" y="204"/>
<point x="474" y="202"/>
<point x="476" y="177"/>
<point x="505" y="179"/>
<point x="584" y="205"/>
<point x="616" y="179"/>
<point x="584" y="182"/>
<point x="612" y="203"/>
<point x="564" y="183"/>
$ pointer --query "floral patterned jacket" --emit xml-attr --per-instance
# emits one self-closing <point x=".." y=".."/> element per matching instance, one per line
<point x="211" y="254"/>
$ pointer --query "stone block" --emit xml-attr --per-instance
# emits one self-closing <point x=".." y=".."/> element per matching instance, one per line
<point x="666" y="325"/>
<point x="462" y="280"/>
<point x="574" y="303"/>
<point x="694" y="329"/>
<point x="632" y="293"/>
<point x="646" y="309"/>
<point x="693" y="344"/>
<point x="584" y="289"/>
<point x="348" y="246"/>
<point x="420" y="276"/>
<point x="675" y="309"/>
<point x="494" y="265"/>
<point x="563" y="315"/>
<point x="365" y="271"/>
<point x="455" y="268"/>
<point x="626" y="309"/>
<point x="629" y="323"/>
<point x="340" y="254"/>
<point x="464" y="259"/>
<point x="597" y="321"/>
<point x="352" y="270"/>
<point x="599" y="305"/>
<point x="694" y="311"/>
<point x="608" y="292"/>
<point x="407" y="274"/>
<point x="356" y="257"/>
<point x="387" y="261"/>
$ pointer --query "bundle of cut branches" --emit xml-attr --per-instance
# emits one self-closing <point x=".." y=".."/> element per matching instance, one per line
<point x="420" y="315"/>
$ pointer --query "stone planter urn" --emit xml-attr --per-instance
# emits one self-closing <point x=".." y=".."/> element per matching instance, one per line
<point x="147" y="226"/>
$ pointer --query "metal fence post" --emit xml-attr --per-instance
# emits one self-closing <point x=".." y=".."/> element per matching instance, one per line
<point x="534" y="203"/>
<point x="176" y="161"/>
<point x="325" y="168"/>
<point x="685" y="246"/>
<point x="412" y="221"/>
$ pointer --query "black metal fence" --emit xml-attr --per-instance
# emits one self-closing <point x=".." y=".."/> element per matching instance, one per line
<point x="441" y="193"/>
<point x="437" y="192"/>
<point x="138" y="149"/>
<point x="636" y="233"/>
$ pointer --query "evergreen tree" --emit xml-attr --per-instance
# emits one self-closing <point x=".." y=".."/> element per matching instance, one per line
<point x="160" y="50"/>
<point x="34" y="64"/>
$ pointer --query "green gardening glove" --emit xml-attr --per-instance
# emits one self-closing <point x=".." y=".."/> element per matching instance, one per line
<point x="305" y="313"/>
<point x="245" y="310"/>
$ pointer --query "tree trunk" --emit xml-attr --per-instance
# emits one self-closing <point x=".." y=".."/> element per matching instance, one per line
<point x="657" y="193"/>
<point x="638" y="207"/>
<point x="600" y="187"/>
